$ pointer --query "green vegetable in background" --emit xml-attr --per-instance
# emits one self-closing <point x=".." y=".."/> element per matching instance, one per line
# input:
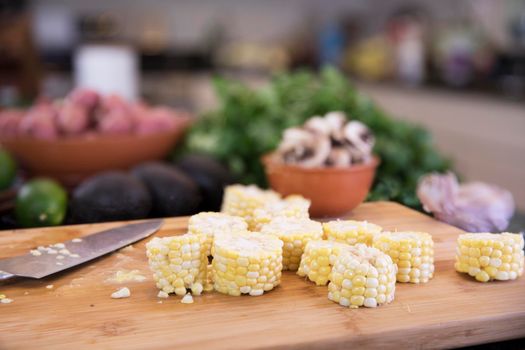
<point x="41" y="202"/>
<point x="249" y="123"/>
<point x="7" y="170"/>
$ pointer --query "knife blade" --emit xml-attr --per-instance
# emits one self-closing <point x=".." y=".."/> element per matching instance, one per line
<point x="80" y="251"/>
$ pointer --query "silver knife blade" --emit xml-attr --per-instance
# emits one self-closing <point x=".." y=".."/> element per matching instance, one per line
<point x="89" y="248"/>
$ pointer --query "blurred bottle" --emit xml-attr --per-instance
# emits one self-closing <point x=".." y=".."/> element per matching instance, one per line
<point x="331" y="44"/>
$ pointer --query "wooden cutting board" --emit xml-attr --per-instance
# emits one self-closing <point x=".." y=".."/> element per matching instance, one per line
<point x="451" y="310"/>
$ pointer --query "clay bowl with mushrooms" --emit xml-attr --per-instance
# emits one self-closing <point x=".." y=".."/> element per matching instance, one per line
<point x="327" y="160"/>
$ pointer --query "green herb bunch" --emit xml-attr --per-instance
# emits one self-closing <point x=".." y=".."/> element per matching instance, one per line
<point x="249" y="123"/>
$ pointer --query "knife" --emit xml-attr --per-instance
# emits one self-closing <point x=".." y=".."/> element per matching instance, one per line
<point x="80" y="251"/>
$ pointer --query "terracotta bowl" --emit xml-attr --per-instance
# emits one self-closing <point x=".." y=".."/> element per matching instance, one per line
<point x="333" y="191"/>
<point x="70" y="160"/>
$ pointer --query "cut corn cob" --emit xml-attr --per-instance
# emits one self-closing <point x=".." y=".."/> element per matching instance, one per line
<point x="242" y="201"/>
<point x="365" y="277"/>
<point x="210" y="223"/>
<point x="294" y="233"/>
<point x="351" y="232"/>
<point x="177" y="262"/>
<point x="412" y="252"/>
<point x="246" y="263"/>
<point x="490" y="256"/>
<point x="318" y="258"/>
<point x="294" y="206"/>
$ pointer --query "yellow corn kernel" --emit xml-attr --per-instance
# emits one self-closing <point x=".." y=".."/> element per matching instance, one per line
<point x="256" y="268"/>
<point x="242" y="201"/>
<point x="177" y="262"/>
<point x="351" y="232"/>
<point x="412" y="252"/>
<point x="295" y="234"/>
<point x="372" y="278"/>
<point x="293" y="206"/>
<point x="318" y="259"/>
<point x="489" y="256"/>
<point x="208" y="224"/>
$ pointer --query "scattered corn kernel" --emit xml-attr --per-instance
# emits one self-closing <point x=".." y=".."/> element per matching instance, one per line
<point x="187" y="299"/>
<point x="363" y="277"/>
<point x="210" y="223"/>
<point x="162" y="294"/>
<point x="121" y="293"/>
<point x="246" y="263"/>
<point x="350" y="231"/>
<point x="294" y="233"/>
<point x="177" y="262"/>
<point x="242" y="201"/>
<point x="318" y="258"/>
<point x="490" y="256"/>
<point x="412" y="252"/>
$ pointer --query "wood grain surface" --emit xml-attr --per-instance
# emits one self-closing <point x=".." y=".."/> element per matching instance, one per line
<point x="451" y="310"/>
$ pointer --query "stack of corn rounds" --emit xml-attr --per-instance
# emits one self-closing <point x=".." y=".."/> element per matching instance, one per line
<point x="242" y="201"/>
<point x="490" y="256"/>
<point x="292" y="207"/>
<point x="412" y="252"/>
<point x="178" y="262"/>
<point x="295" y="234"/>
<point x="246" y="263"/>
<point x="351" y="232"/>
<point x="364" y="277"/>
<point x="209" y="223"/>
<point x="318" y="258"/>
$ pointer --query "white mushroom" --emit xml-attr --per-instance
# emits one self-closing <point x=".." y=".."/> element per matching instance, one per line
<point x="319" y="125"/>
<point x="359" y="139"/>
<point x="304" y="147"/>
<point x="339" y="157"/>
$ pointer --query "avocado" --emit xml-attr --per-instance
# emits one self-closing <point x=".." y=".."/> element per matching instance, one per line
<point x="173" y="193"/>
<point x="110" y="196"/>
<point x="210" y="175"/>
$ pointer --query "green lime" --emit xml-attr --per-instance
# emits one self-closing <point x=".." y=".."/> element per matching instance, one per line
<point x="41" y="202"/>
<point x="7" y="170"/>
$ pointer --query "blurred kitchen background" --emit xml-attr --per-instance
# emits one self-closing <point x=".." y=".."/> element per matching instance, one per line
<point x="456" y="67"/>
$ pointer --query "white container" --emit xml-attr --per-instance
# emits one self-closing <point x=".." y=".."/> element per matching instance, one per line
<point x="108" y="69"/>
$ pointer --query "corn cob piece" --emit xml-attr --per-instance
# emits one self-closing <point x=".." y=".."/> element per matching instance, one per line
<point x="246" y="263"/>
<point x="412" y="252"/>
<point x="365" y="277"/>
<point x="350" y="231"/>
<point x="294" y="233"/>
<point x="490" y="256"/>
<point x="318" y="258"/>
<point x="177" y="262"/>
<point x="210" y="223"/>
<point x="293" y="206"/>
<point x="242" y="201"/>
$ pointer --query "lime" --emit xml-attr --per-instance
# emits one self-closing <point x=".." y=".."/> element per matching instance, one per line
<point x="41" y="202"/>
<point x="7" y="170"/>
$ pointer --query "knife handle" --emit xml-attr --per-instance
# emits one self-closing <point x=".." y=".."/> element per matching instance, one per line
<point x="5" y="276"/>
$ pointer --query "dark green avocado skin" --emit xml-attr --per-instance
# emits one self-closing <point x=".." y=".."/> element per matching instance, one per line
<point x="210" y="175"/>
<point x="110" y="196"/>
<point x="172" y="191"/>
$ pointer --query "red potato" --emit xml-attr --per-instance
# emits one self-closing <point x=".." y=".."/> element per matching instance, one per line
<point x="116" y="121"/>
<point x="10" y="123"/>
<point x="39" y="122"/>
<point x="157" y="119"/>
<point x="73" y="118"/>
<point x="85" y="97"/>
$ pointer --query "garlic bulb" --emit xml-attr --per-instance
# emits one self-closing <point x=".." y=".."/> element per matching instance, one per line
<point x="473" y="207"/>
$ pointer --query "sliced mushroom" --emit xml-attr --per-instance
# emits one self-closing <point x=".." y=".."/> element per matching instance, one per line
<point x="304" y="147"/>
<point x="319" y="125"/>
